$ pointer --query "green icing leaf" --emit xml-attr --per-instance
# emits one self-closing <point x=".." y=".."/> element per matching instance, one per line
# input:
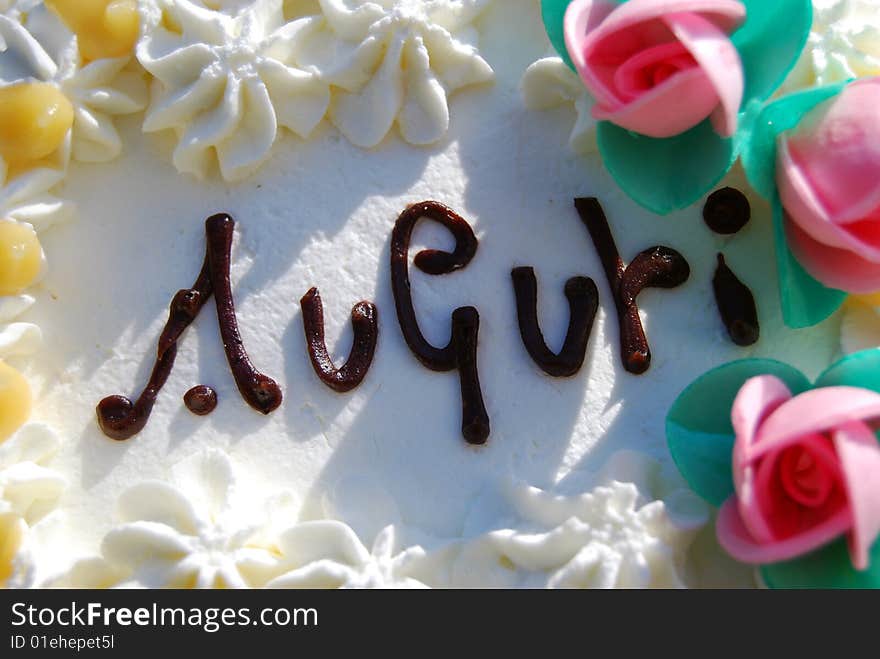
<point x="829" y="567"/>
<point x="699" y="430"/>
<point x="665" y="175"/>
<point x="805" y="301"/>
<point x="758" y="136"/>
<point x="553" y="13"/>
<point x="770" y="42"/>
<point x="861" y="369"/>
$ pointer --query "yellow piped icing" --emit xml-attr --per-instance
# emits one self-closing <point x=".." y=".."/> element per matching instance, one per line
<point x="15" y="401"/>
<point x="103" y="28"/>
<point x="872" y="300"/>
<point x="20" y="257"/>
<point x="12" y="529"/>
<point x="35" y="118"/>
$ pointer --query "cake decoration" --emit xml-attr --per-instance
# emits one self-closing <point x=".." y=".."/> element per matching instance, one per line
<point x="197" y="533"/>
<point x="225" y="83"/>
<point x="461" y="351"/>
<point x="657" y="267"/>
<point x="204" y="531"/>
<point x="16" y="9"/>
<point x="860" y="324"/>
<point x="727" y="211"/>
<point x="736" y="304"/>
<point x="659" y="68"/>
<point x="843" y="45"/>
<point x="35" y="118"/>
<point x="631" y="527"/>
<point x="549" y="83"/>
<point x="119" y="417"/>
<point x="791" y="465"/>
<point x="17" y="339"/>
<point x="104" y="28"/>
<point x="670" y="167"/>
<point x="583" y="302"/>
<point x="620" y="533"/>
<point x="365" y="325"/>
<point x="29" y="490"/>
<point x="21" y="257"/>
<point x="823" y="239"/>
<point x="201" y="400"/>
<point x="827" y="170"/>
<point x="30" y="197"/>
<point x="396" y="61"/>
<point x="15" y="400"/>
<point x="43" y="55"/>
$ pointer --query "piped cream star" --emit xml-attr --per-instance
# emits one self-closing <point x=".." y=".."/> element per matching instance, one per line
<point x="226" y="82"/>
<point x="397" y="61"/>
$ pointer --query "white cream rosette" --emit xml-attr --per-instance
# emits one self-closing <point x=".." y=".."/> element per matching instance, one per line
<point x="206" y="532"/>
<point x="29" y="489"/>
<point x="395" y="61"/>
<point x="226" y="83"/>
<point x="843" y="44"/>
<point x="620" y="534"/>
<point x="550" y="83"/>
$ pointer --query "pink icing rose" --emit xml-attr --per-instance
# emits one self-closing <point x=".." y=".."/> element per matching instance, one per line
<point x="659" y="67"/>
<point x="806" y="470"/>
<point x="828" y="175"/>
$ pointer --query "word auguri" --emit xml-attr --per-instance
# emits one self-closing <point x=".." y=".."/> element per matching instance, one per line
<point x="120" y="418"/>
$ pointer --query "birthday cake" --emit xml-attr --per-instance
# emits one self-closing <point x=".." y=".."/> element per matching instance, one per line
<point x="445" y="293"/>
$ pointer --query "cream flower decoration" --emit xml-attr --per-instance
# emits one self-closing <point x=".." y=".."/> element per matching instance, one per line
<point x="610" y="537"/>
<point x="395" y="61"/>
<point x="844" y="43"/>
<point x="17" y="8"/>
<point x="28" y="490"/>
<point x="550" y="83"/>
<point x="202" y="533"/>
<point x="29" y="198"/>
<point x="43" y="49"/>
<point x="225" y="83"/>
<point x="206" y="533"/>
<point x="328" y="554"/>
<point x="17" y="338"/>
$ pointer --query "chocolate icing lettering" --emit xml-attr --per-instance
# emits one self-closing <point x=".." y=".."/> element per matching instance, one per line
<point x="461" y="351"/>
<point x="119" y="418"/>
<point x="737" y="306"/>
<point x="657" y="267"/>
<point x="365" y="324"/>
<point x="583" y="301"/>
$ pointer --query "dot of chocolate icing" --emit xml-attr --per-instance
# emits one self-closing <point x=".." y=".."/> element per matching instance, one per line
<point x="200" y="400"/>
<point x="727" y="211"/>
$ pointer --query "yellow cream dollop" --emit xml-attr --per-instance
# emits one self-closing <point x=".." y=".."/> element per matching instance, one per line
<point x="20" y="257"/>
<point x="11" y="535"/>
<point x="34" y="120"/>
<point x="103" y="28"/>
<point x="15" y="401"/>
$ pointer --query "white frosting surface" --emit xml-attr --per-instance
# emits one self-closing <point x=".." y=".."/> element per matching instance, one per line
<point x="377" y="487"/>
